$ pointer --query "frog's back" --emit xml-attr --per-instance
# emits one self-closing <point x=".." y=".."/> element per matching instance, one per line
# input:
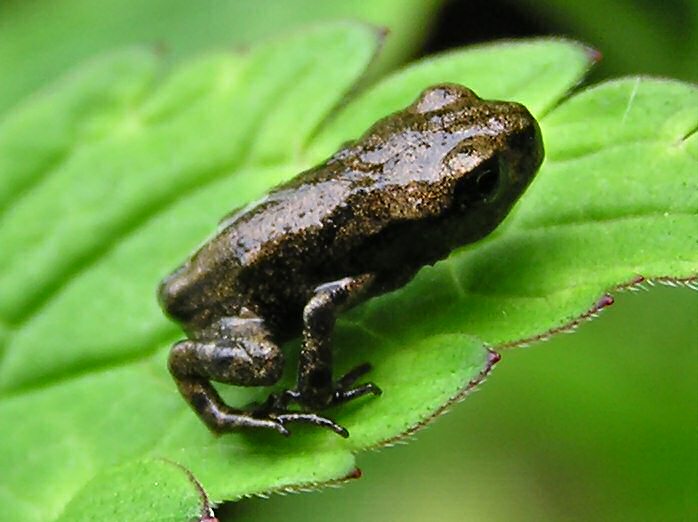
<point x="318" y="227"/>
<point x="304" y="233"/>
<point x="276" y="246"/>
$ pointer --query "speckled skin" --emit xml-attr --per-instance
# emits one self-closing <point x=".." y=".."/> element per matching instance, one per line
<point x="439" y="174"/>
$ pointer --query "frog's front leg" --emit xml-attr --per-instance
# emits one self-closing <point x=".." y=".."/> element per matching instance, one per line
<point x="234" y="350"/>
<point x="316" y="388"/>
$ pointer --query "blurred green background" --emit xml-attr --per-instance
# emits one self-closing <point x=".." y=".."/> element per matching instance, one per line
<point x="600" y="425"/>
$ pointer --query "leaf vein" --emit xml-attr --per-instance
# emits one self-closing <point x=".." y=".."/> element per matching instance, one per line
<point x="132" y="223"/>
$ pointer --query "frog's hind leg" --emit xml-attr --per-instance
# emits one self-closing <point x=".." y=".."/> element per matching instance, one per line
<point x="205" y="400"/>
<point x="241" y="360"/>
<point x="234" y="350"/>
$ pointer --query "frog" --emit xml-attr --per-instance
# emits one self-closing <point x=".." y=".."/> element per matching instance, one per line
<point x="437" y="175"/>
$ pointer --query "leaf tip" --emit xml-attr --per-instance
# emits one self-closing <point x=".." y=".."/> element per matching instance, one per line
<point x="492" y="359"/>
<point x="594" y="55"/>
<point x="354" y="474"/>
<point x="207" y="514"/>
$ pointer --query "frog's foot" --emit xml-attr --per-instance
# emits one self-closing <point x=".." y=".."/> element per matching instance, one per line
<point x="276" y="410"/>
<point x="306" y="418"/>
<point x="343" y="391"/>
<point x="231" y="420"/>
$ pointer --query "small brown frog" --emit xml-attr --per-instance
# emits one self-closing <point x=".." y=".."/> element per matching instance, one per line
<point x="442" y="173"/>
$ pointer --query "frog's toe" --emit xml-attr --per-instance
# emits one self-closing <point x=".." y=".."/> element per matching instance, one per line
<point x="353" y="375"/>
<point x="278" y="426"/>
<point x="343" y="395"/>
<point x="276" y="417"/>
<point x="312" y="418"/>
<point x="277" y="402"/>
<point x="343" y="390"/>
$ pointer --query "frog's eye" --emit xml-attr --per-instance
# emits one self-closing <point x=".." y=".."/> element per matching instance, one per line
<point x="478" y="185"/>
<point x="487" y="180"/>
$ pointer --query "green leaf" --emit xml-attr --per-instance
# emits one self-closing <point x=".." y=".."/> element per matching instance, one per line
<point x="40" y="39"/>
<point x="46" y="128"/>
<point x="86" y="405"/>
<point x="648" y="43"/>
<point x="173" y="494"/>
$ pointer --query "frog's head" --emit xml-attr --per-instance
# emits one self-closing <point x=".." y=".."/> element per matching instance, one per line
<point x="494" y="151"/>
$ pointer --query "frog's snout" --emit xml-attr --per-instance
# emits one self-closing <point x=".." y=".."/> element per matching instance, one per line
<point x="526" y="150"/>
